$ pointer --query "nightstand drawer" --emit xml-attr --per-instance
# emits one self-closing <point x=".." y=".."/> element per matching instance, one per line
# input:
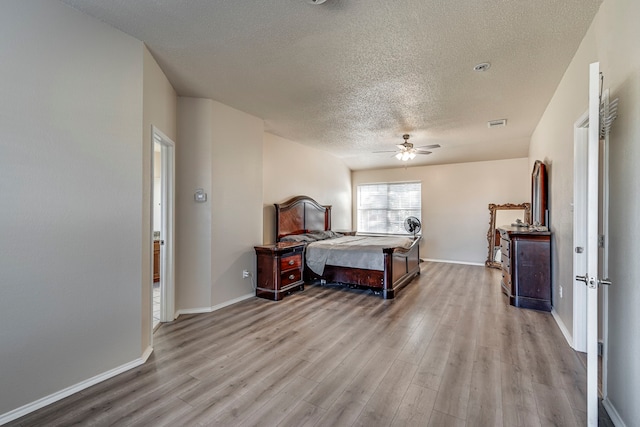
<point x="291" y="261"/>
<point x="290" y="276"/>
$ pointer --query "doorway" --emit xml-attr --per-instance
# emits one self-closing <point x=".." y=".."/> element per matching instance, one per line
<point x="162" y="227"/>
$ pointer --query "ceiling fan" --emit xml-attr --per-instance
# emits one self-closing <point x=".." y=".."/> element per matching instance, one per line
<point x="406" y="150"/>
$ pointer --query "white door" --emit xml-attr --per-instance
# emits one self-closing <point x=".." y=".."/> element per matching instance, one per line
<point x="590" y="276"/>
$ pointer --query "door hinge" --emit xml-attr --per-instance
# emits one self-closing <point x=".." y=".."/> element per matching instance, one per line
<point x="601" y="240"/>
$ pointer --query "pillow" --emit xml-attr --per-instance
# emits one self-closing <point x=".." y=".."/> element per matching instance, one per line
<point x="311" y="237"/>
<point x="296" y="238"/>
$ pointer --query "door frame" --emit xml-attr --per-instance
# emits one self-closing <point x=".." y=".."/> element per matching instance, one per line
<point x="167" y="250"/>
<point x="580" y="144"/>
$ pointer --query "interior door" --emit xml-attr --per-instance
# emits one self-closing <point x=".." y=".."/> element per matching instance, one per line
<point x="590" y="277"/>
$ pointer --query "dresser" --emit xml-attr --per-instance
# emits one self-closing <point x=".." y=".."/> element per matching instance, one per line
<point x="526" y="267"/>
<point x="279" y="269"/>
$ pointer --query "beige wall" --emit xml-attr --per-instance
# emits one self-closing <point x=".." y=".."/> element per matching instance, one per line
<point x="193" y="220"/>
<point x="221" y="152"/>
<point x="71" y="216"/>
<point x="236" y="201"/>
<point x="455" y="199"/>
<point x="613" y="40"/>
<point x="291" y="169"/>
<point x="159" y="109"/>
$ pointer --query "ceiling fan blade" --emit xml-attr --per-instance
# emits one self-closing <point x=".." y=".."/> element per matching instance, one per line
<point x="401" y="146"/>
<point x="422" y="152"/>
<point x="386" y="151"/>
<point x="428" y="147"/>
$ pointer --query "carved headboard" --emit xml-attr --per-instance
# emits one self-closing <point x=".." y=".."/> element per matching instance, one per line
<point x="300" y="215"/>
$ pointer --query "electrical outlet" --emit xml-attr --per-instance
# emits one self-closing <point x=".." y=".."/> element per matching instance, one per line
<point x="245" y="274"/>
<point x="560" y="291"/>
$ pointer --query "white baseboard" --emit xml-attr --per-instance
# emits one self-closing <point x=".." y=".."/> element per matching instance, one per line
<point x="213" y="308"/>
<point x="567" y="335"/>
<point x="613" y="414"/>
<point x="59" y="395"/>
<point x="447" y="261"/>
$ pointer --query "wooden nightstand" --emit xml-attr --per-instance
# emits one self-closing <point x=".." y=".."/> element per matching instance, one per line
<point x="280" y="268"/>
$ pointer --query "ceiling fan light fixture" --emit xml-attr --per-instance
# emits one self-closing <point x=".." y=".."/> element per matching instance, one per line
<point x="399" y="155"/>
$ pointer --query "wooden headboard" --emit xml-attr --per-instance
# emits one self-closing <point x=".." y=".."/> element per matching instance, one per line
<point x="300" y="215"/>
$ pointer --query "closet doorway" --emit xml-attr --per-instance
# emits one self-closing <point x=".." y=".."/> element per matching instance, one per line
<point x="162" y="227"/>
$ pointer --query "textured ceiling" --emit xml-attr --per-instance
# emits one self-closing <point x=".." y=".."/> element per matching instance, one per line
<point x="351" y="76"/>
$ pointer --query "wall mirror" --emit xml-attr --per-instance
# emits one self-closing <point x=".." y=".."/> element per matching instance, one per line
<point x="539" y="213"/>
<point x="499" y="216"/>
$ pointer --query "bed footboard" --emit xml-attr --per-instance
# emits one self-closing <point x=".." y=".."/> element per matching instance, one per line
<point x="400" y="267"/>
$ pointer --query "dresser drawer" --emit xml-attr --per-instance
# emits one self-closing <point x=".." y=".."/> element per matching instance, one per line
<point x="505" y="247"/>
<point x="290" y="262"/>
<point x="505" y="260"/>
<point x="290" y="276"/>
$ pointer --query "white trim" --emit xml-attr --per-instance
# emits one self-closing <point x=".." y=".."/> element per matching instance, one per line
<point x="563" y="328"/>
<point x="59" y="395"/>
<point x="605" y="256"/>
<point x="613" y="414"/>
<point x="449" y="261"/>
<point x="216" y="307"/>
<point x="580" y="143"/>
<point x="167" y="274"/>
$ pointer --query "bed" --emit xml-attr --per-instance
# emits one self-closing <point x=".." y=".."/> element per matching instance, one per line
<point x="382" y="264"/>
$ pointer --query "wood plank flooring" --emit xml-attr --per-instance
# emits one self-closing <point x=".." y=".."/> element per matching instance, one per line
<point x="448" y="351"/>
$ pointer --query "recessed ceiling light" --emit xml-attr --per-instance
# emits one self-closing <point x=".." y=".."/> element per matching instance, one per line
<point x="483" y="66"/>
<point x="315" y="1"/>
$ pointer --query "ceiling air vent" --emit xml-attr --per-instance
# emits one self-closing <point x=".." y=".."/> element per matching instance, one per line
<point x="497" y="123"/>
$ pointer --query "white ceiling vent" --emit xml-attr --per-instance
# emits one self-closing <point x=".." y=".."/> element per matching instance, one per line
<point x="497" y="123"/>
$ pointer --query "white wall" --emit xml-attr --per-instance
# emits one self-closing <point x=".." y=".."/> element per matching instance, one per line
<point x="455" y="199"/>
<point x="613" y="40"/>
<point x="292" y="169"/>
<point x="71" y="190"/>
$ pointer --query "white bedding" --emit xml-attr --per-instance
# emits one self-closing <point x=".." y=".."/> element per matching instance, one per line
<point x="352" y="251"/>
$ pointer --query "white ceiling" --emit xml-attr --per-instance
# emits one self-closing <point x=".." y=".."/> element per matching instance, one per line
<point x="351" y="76"/>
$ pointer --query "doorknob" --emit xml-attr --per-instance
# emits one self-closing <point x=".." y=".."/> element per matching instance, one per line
<point x="589" y="281"/>
<point x="606" y="281"/>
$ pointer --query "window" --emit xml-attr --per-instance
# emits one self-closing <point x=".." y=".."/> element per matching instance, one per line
<point x="382" y="208"/>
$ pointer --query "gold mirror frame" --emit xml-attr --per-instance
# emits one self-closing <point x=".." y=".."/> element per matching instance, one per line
<point x="491" y="234"/>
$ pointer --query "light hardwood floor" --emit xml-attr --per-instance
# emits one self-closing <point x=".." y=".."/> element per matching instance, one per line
<point x="448" y="351"/>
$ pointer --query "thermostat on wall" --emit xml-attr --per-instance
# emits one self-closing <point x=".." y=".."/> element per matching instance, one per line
<point x="200" y="196"/>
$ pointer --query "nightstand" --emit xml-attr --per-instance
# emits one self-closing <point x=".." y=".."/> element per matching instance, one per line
<point x="280" y="268"/>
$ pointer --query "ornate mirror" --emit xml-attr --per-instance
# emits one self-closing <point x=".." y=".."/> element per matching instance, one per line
<point x="499" y="216"/>
<point x="539" y="194"/>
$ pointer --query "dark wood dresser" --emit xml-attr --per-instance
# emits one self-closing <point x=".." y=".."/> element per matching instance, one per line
<point x="279" y="269"/>
<point x="526" y="267"/>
